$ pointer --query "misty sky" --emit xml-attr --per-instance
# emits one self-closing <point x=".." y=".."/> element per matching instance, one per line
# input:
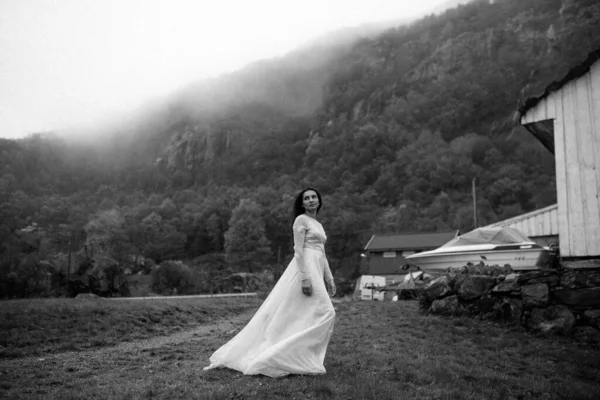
<point x="72" y="62"/>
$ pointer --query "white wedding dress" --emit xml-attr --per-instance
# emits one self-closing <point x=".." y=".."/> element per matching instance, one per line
<point x="290" y="332"/>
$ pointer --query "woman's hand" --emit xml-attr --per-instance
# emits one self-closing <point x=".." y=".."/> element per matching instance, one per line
<point x="331" y="289"/>
<point x="306" y="287"/>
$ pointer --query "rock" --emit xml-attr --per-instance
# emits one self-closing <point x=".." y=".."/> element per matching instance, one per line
<point x="580" y="279"/>
<point x="472" y="309"/>
<point x="535" y="295"/>
<point x="587" y="334"/>
<point x="487" y="307"/>
<point x="475" y="286"/>
<point x="511" y="310"/>
<point x="446" y="306"/>
<point x="493" y="315"/>
<point x="87" y="296"/>
<point x="580" y="264"/>
<point x="554" y="319"/>
<point x="551" y="281"/>
<point x="592" y="318"/>
<point x="579" y="297"/>
<point x="509" y="285"/>
<point x="455" y="279"/>
<point x="437" y="288"/>
<point x="525" y="277"/>
<point x="487" y="304"/>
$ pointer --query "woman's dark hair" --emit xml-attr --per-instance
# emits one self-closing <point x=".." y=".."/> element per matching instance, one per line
<point x="298" y="208"/>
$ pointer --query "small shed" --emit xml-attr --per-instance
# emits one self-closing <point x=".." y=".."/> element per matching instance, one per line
<point x="385" y="252"/>
<point x="541" y="225"/>
<point x="565" y="118"/>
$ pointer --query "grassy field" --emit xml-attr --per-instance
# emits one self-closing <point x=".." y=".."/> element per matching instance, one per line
<point x="378" y="351"/>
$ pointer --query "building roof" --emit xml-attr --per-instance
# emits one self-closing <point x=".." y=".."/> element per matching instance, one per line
<point x="528" y="216"/>
<point x="574" y="73"/>
<point x="409" y="241"/>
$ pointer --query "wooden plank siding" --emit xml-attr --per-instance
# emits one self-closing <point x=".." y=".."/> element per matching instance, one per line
<point x="574" y="192"/>
<point x="575" y="110"/>
<point x="561" y="174"/>
<point x="590" y="187"/>
<point x="594" y="99"/>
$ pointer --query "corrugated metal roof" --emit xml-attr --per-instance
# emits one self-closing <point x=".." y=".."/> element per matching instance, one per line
<point x="574" y="73"/>
<point x="542" y="222"/>
<point x="523" y="216"/>
<point x="411" y="241"/>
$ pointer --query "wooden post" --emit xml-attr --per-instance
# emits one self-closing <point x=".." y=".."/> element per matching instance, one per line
<point x="474" y="206"/>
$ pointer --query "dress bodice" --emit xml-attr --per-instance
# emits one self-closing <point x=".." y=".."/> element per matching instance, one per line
<point x="314" y="234"/>
<point x="309" y="234"/>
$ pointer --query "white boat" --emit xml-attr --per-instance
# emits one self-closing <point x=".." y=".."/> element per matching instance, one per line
<point x="492" y="246"/>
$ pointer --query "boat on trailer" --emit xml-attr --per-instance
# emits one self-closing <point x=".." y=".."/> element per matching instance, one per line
<point x="492" y="246"/>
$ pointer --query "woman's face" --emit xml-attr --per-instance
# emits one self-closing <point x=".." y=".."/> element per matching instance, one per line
<point x="310" y="200"/>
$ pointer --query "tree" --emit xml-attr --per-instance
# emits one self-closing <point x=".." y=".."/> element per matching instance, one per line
<point x="105" y="236"/>
<point x="441" y="207"/>
<point x="162" y="240"/>
<point x="215" y="232"/>
<point x="168" y="209"/>
<point x="507" y="191"/>
<point x="245" y="242"/>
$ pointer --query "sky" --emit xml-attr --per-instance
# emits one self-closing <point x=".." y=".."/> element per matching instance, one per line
<point x="66" y="63"/>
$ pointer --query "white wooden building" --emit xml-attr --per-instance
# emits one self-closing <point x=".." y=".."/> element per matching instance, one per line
<point x="566" y="119"/>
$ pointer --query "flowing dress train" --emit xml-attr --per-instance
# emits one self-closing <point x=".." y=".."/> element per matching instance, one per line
<point x="290" y="331"/>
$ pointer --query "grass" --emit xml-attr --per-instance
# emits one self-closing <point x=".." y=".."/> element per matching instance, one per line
<point x="378" y="351"/>
<point x="42" y="326"/>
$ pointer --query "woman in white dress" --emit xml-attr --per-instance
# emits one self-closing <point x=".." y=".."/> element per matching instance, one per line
<point x="290" y="332"/>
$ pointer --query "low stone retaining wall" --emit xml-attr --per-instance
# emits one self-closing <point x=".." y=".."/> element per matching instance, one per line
<point x="555" y="301"/>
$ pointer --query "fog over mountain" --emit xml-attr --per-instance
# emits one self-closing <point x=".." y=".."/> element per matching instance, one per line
<point x="83" y="63"/>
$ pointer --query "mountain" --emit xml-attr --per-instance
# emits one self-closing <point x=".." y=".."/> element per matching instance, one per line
<point x="393" y="128"/>
<point x="461" y="72"/>
<point x="285" y="87"/>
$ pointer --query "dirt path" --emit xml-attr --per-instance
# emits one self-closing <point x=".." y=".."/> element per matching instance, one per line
<point x="228" y="325"/>
<point x="77" y="359"/>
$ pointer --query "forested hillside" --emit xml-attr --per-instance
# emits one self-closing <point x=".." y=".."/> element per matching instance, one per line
<point x="392" y="129"/>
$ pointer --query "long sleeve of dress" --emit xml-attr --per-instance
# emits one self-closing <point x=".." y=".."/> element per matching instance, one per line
<point x="299" y="229"/>
<point x="327" y="272"/>
<point x="328" y="276"/>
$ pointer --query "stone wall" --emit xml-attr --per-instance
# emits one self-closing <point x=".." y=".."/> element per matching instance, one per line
<point x="555" y="301"/>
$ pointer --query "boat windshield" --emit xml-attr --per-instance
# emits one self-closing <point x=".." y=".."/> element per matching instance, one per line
<point x="489" y="236"/>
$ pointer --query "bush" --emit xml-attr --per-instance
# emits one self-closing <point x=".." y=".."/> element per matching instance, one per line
<point x="30" y="278"/>
<point x="173" y="277"/>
